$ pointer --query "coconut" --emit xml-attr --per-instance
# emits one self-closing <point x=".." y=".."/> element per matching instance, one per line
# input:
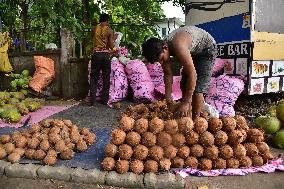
<point x="177" y="162"/>
<point x="164" y="139"/>
<point x="191" y="162"/>
<point x="53" y="138"/>
<point x="211" y="152"/>
<point x="219" y="163"/>
<point x="67" y="122"/>
<point x="37" y="135"/>
<point x="233" y="163"/>
<point x="140" y="152"/>
<point x="60" y="146"/>
<point x="244" y="132"/>
<point x="81" y="146"/>
<point x="206" y="139"/>
<point x="141" y="125"/>
<point x="84" y="131"/>
<point x="255" y="136"/>
<point x="170" y="152"/>
<point x="215" y="125"/>
<point x="183" y="152"/>
<point x="5" y="139"/>
<point x="46" y="123"/>
<point x="257" y="160"/>
<point x="67" y="154"/>
<point x="14" y="157"/>
<point x="278" y="139"/>
<point x="126" y="123"/>
<point x="125" y="151"/>
<point x="151" y="166"/>
<point x="39" y="155"/>
<point x="110" y="150"/>
<point x="165" y="164"/>
<point x="133" y="138"/>
<point x="171" y="126"/>
<point x="70" y="145"/>
<point x="196" y="150"/>
<point x="226" y="152"/>
<point x="156" y="125"/>
<point x="251" y="149"/>
<point x="241" y="122"/>
<point x="137" y="166"/>
<point x="245" y="162"/>
<point x="221" y="138"/>
<point x="45" y="130"/>
<point x="267" y="156"/>
<point x="205" y="115"/>
<point x="262" y="147"/>
<point x="191" y="138"/>
<point x="55" y="130"/>
<point x="205" y="164"/>
<point x="49" y="160"/>
<point x="239" y="151"/>
<point x="16" y="135"/>
<point x="178" y="140"/>
<point x="118" y="136"/>
<point x="44" y="145"/>
<point x="29" y="153"/>
<point x="90" y="138"/>
<point x="148" y="139"/>
<point x="185" y="125"/>
<point x="235" y="137"/>
<point x="200" y="125"/>
<point x="21" y="142"/>
<point x="156" y="153"/>
<point x="51" y="152"/>
<point x="35" y="128"/>
<point x="229" y="123"/>
<point x="122" y="166"/>
<point x="3" y="153"/>
<point x="9" y="148"/>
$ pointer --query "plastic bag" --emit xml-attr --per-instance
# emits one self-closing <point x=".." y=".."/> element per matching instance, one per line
<point x="156" y="73"/>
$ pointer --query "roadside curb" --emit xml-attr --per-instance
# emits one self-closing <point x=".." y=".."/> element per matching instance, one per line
<point x="92" y="176"/>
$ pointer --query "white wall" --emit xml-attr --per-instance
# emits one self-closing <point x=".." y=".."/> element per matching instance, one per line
<point x="169" y="27"/>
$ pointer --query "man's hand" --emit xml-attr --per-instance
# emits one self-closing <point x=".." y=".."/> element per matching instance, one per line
<point x="184" y="109"/>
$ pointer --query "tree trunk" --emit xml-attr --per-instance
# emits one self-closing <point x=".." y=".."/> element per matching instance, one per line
<point x="24" y="16"/>
<point x="86" y="16"/>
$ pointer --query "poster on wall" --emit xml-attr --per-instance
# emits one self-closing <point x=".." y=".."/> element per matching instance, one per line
<point x="273" y="84"/>
<point x="257" y="86"/>
<point x="260" y="68"/>
<point x="241" y="66"/>
<point x="278" y="68"/>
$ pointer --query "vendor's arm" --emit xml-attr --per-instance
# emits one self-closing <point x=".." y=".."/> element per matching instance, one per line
<point x="168" y="80"/>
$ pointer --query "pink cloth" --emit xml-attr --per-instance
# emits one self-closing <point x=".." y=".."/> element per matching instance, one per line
<point x="218" y="66"/>
<point x="156" y="73"/>
<point x="176" y="91"/>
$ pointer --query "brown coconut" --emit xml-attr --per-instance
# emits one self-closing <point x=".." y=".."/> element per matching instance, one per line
<point x="126" y="123"/>
<point x="133" y="138"/>
<point x="262" y="148"/>
<point x="136" y="166"/>
<point x="50" y="160"/>
<point x="29" y="153"/>
<point x="151" y="166"/>
<point x="90" y="138"/>
<point x="192" y="138"/>
<point x="239" y="151"/>
<point x="251" y="149"/>
<point x="118" y="136"/>
<point x="60" y="146"/>
<point x="111" y="150"/>
<point x="55" y="130"/>
<point x="183" y="152"/>
<point x="141" y="125"/>
<point x="21" y="142"/>
<point x="67" y="154"/>
<point x="205" y="164"/>
<point x="171" y="127"/>
<point x="255" y="136"/>
<point x="219" y="163"/>
<point x="226" y="152"/>
<point x="215" y="124"/>
<point x="5" y="139"/>
<point x="185" y="125"/>
<point x="165" y="164"/>
<point x="191" y="162"/>
<point x="177" y="162"/>
<point x="14" y="157"/>
<point x="245" y="162"/>
<point x="125" y="151"/>
<point x="178" y="140"/>
<point x="200" y="125"/>
<point x="196" y="150"/>
<point x="241" y="122"/>
<point x="37" y="135"/>
<point x="46" y="123"/>
<point x="140" y="152"/>
<point x="229" y="124"/>
<point x="122" y="166"/>
<point x="156" y="153"/>
<point x="170" y="152"/>
<point x="39" y="155"/>
<point x="204" y="114"/>
<point x="233" y="163"/>
<point x="9" y="148"/>
<point x="164" y="139"/>
<point x="53" y="138"/>
<point x="20" y="151"/>
<point x="206" y="139"/>
<point x="148" y="139"/>
<point x="220" y="138"/>
<point x="51" y="152"/>
<point x="84" y="131"/>
<point x="244" y="132"/>
<point x="211" y="152"/>
<point x="235" y="137"/>
<point x="70" y="145"/>
<point x="44" y="145"/>
<point x="267" y="156"/>
<point x="75" y="136"/>
<point x="81" y="146"/>
<point x="3" y="153"/>
<point x="16" y="135"/>
<point x="67" y="122"/>
<point x="156" y="125"/>
<point x="35" y="128"/>
<point x="257" y="160"/>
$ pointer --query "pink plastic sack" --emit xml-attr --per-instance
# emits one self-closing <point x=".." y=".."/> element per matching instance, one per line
<point x="218" y="66"/>
<point x="223" y="93"/>
<point x="156" y="73"/>
<point x="176" y="91"/>
<point x="140" y="81"/>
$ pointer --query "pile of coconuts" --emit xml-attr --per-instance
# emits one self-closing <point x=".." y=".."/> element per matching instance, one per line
<point x="150" y="139"/>
<point x="46" y="141"/>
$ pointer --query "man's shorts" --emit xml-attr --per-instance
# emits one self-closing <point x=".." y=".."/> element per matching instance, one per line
<point x="203" y="63"/>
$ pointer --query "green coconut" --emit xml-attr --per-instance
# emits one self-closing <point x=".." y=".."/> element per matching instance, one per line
<point x="18" y="95"/>
<point x="270" y="125"/>
<point x="11" y="115"/>
<point x="4" y="95"/>
<point x="22" y="108"/>
<point x="33" y="106"/>
<point x="272" y="111"/>
<point x="13" y="101"/>
<point x="280" y="112"/>
<point x="278" y="139"/>
<point x="25" y="73"/>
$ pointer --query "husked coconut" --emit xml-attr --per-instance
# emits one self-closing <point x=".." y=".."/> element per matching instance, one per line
<point x="16" y="135"/>
<point x="44" y="145"/>
<point x="215" y="124"/>
<point x="219" y="163"/>
<point x="35" y="128"/>
<point x="177" y="162"/>
<point x="226" y="152"/>
<point x="262" y="147"/>
<point x="133" y="138"/>
<point x="170" y="152"/>
<point x="53" y="138"/>
<point x="267" y="156"/>
<point x="140" y="152"/>
<point x="257" y="160"/>
<point x="156" y="125"/>
<point x="200" y="125"/>
<point x="229" y="124"/>
<point x="14" y="157"/>
<point x="255" y="136"/>
<point x="67" y="122"/>
<point x="171" y="127"/>
<point x="67" y="154"/>
<point x="122" y="166"/>
<point x="46" y="123"/>
<point x="221" y="138"/>
<point x="165" y="164"/>
<point x="191" y="162"/>
<point x="235" y="137"/>
<point x="84" y="131"/>
<point x="21" y="142"/>
<point x="185" y="125"/>
<point x="37" y="135"/>
<point x="205" y="164"/>
<point x="156" y="153"/>
<point x="205" y="115"/>
<point x="239" y="151"/>
<point x="90" y="138"/>
<point x="50" y="160"/>
<point x="5" y="139"/>
<point x="151" y="166"/>
<point x="60" y="146"/>
<point x="3" y="153"/>
<point x="137" y="166"/>
<point x="183" y="152"/>
<point x="110" y="150"/>
<point x="126" y="123"/>
<point x="244" y="132"/>
<point x="70" y="145"/>
<point x="241" y="122"/>
<point x="81" y="146"/>
<point x="233" y="163"/>
<point x="51" y="152"/>
<point x="9" y="148"/>
<point x="141" y="125"/>
<point x="149" y="139"/>
<point x="29" y="153"/>
<point x="39" y="155"/>
<point x="118" y="136"/>
<point x="245" y="162"/>
<point x="196" y="150"/>
<point x="164" y="139"/>
<point x="206" y="139"/>
<point x="33" y="143"/>
<point x="55" y="130"/>
<point x="191" y="138"/>
<point x="75" y="136"/>
<point x="125" y="151"/>
<point x="211" y="152"/>
<point x="251" y="149"/>
<point x="178" y="139"/>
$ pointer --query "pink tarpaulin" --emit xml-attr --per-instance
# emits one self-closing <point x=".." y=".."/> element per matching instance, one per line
<point x="37" y="116"/>
<point x="270" y="167"/>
